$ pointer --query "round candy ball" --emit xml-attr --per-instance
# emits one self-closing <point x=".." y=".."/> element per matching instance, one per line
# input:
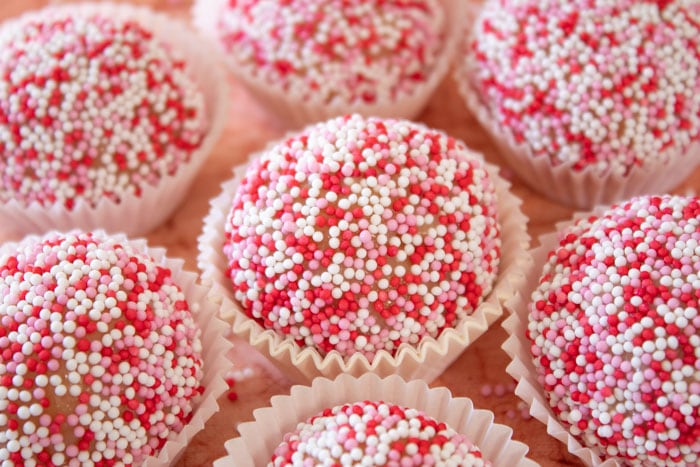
<point x="349" y="51"/>
<point x="100" y="358"/>
<point x="362" y="234"/>
<point x="599" y="85"/>
<point x="614" y="329"/>
<point x="375" y="433"/>
<point x="91" y="107"/>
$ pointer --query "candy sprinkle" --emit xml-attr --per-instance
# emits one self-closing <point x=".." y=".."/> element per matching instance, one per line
<point x="358" y="235"/>
<point x="350" y="51"/>
<point x="91" y="107"/>
<point x="615" y="334"/>
<point x="603" y="84"/>
<point x="100" y="358"/>
<point x="375" y="433"/>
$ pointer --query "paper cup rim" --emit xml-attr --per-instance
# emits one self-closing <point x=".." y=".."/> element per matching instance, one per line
<point x="579" y="188"/>
<point x="427" y="359"/>
<point x="299" y="110"/>
<point x="34" y="217"/>
<point x="215" y="347"/>
<point x="494" y="440"/>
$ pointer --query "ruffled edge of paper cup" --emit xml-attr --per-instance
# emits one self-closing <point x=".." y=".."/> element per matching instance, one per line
<point x="259" y="438"/>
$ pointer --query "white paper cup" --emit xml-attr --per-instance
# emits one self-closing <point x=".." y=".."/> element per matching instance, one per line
<point x="259" y="438"/>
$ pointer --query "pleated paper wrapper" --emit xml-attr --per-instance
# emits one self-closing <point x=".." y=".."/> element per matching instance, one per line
<point x="258" y="439"/>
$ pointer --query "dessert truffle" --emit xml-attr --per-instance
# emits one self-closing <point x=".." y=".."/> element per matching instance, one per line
<point x="325" y="50"/>
<point x="613" y="326"/>
<point x="375" y="433"/>
<point x="360" y="234"/>
<point x="593" y="84"/>
<point x="100" y="358"/>
<point x="361" y="54"/>
<point x="92" y="106"/>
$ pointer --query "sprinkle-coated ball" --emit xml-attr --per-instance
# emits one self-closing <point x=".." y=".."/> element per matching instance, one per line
<point x="91" y="107"/>
<point x="349" y="51"/>
<point x="375" y="433"/>
<point x="100" y="358"/>
<point x="360" y="234"/>
<point x="614" y="327"/>
<point x="599" y="84"/>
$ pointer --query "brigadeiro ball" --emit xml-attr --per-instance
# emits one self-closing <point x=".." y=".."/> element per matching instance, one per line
<point x="375" y="433"/>
<point x="613" y="328"/>
<point x="589" y="101"/>
<point x="373" y="421"/>
<point x="362" y="235"/>
<point x="99" y="109"/>
<point x="101" y="355"/>
<point x="310" y="59"/>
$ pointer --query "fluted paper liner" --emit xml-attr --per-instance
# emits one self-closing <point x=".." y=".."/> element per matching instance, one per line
<point x="215" y="347"/>
<point x="258" y="439"/>
<point x="517" y="346"/>
<point x="426" y="361"/>
<point x="583" y="188"/>
<point x="296" y="111"/>
<point x="135" y="215"/>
